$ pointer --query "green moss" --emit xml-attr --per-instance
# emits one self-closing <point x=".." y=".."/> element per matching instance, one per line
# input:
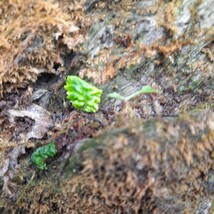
<point x="89" y="143"/>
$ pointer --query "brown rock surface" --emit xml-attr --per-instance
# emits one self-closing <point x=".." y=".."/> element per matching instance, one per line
<point x="153" y="154"/>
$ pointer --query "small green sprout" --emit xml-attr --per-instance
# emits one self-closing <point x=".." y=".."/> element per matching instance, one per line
<point x="144" y="90"/>
<point x="41" y="154"/>
<point x="82" y="95"/>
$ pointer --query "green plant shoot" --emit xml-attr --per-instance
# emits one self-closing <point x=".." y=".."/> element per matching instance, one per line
<point x="41" y="154"/>
<point x="144" y="90"/>
<point x="82" y="95"/>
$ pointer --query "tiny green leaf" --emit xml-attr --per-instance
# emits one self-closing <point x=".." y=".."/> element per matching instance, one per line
<point x="41" y="154"/>
<point x="82" y="95"/>
<point x="144" y="90"/>
<point x="148" y="89"/>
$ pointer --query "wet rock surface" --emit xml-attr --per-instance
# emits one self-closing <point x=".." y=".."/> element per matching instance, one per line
<point x="163" y="165"/>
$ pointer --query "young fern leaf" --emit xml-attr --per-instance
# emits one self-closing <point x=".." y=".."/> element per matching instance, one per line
<point x="41" y="154"/>
<point x="82" y="95"/>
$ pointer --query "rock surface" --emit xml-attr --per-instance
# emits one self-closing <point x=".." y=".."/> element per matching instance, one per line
<point x="153" y="154"/>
